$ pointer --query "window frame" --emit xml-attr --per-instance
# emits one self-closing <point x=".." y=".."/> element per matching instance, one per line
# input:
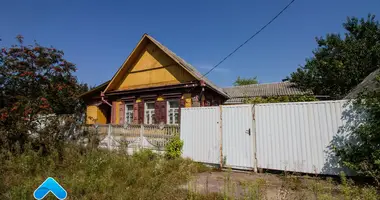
<point x="146" y="109"/>
<point x="168" y="108"/>
<point x="126" y="111"/>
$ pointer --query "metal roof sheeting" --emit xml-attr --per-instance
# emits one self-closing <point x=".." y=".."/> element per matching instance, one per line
<point x="239" y="93"/>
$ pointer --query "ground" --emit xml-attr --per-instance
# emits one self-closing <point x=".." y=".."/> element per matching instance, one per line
<point x="245" y="185"/>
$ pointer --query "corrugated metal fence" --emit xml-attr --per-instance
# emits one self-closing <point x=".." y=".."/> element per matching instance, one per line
<point x="297" y="136"/>
<point x="281" y="136"/>
<point x="204" y="129"/>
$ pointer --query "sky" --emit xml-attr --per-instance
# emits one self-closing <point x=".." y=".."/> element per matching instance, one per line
<point x="99" y="35"/>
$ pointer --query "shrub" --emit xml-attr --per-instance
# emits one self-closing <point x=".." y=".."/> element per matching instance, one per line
<point x="360" y="150"/>
<point x="174" y="148"/>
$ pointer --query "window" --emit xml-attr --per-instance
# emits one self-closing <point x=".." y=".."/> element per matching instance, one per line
<point x="149" y="113"/>
<point x="128" y="113"/>
<point x="173" y="108"/>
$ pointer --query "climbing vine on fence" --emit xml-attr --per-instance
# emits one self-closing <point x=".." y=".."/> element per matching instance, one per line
<point x="278" y="99"/>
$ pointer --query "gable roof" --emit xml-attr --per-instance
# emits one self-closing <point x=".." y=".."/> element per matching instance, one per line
<point x="98" y="88"/>
<point x="189" y="68"/>
<point x="369" y="83"/>
<point x="239" y="93"/>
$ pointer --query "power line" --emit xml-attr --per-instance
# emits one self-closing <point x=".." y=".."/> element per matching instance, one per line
<point x="229" y="55"/>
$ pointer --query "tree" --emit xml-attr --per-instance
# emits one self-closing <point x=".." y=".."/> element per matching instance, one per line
<point x="340" y="63"/>
<point x="245" y="81"/>
<point x="34" y="81"/>
<point x="360" y="150"/>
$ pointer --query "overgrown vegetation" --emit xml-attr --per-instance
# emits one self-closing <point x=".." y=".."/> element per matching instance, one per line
<point x="174" y="148"/>
<point x="278" y="99"/>
<point x="360" y="150"/>
<point x="341" y="62"/>
<point x="96" y="174"/>
<point x="37" y="85"/>
<point x="245" y="81"/>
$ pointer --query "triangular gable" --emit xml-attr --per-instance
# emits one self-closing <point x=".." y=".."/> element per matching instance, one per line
<point x="138" y="52"/>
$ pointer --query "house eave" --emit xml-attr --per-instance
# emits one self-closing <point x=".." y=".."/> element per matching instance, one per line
<point x="151" y="89"/>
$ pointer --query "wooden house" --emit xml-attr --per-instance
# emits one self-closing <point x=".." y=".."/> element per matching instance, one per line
<point x="150" y="88"/>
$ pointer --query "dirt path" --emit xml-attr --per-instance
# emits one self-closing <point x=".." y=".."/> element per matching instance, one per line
<point x="236" y="183"/>
<point x="245" y="184"/>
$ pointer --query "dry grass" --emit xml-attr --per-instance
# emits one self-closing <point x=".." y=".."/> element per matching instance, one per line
<point x="97" y="174"/>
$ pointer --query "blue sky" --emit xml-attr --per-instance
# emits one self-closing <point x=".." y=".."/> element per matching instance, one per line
<point x="99" y="35"/>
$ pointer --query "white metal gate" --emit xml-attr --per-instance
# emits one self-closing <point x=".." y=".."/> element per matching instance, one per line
<point x="238" y="136"/>
<point x="200" y="131"/>
<point x="297" y="136"/>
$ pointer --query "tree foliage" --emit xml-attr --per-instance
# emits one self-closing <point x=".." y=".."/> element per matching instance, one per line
<point x="360" y="151"/>
<point x="34" y="81"/>
<point x="278" y="99"/>
<point x="340" y="63"/>
<point x="245" y="81"/>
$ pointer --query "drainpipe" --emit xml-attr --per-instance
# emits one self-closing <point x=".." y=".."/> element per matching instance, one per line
<point x="103" y="100"/>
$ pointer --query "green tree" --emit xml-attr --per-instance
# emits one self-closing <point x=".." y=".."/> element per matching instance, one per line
<point x="360" y="150"/>
<point x="245" y="81"/>
<point x="35" y="81"/>
<point x="340" y="63"/>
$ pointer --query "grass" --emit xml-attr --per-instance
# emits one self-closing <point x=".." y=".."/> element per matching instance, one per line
<point x="97" y="174"/>
<point x="100" y="174"/>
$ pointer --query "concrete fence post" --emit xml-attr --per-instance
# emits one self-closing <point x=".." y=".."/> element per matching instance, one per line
<point x="109" y="135"/>
<point x="141" y="136"/>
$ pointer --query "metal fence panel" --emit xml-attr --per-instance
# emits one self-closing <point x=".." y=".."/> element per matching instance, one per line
<point x="200" y="131"/>
<point x="296" y="136"/>
<point x="238" y="136"/>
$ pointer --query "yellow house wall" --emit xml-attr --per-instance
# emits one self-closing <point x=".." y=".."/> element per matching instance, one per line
<point x="101" y="117"/>
<point x="154" y="68"/>
<point x="187" y="98"/>
<point x="117" y="111"/>
<point x="91" y="114"/>
<point x="95" y="115"/>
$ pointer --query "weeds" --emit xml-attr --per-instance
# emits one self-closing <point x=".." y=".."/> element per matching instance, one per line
<point x="97" y="174"/>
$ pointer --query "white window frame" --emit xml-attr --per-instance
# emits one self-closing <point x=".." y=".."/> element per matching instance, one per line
<point x="174" y="110"/>
<point x="151" y="112"/>
<point x="128" y="112"/>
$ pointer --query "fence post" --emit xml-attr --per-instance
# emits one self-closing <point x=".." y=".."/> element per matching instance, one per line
<point x="109" y="137"/>
<point x="141" y="136"/>
<point x="221" y="136"/>
<point x="254" y="139"/>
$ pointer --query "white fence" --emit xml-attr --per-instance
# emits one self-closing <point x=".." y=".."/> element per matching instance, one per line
<point x="200" y="131"/>
<point x="204" y="129"/>
<point x="282" y="136"/>
<point x="297" y="136"/>
<point x="134" y="137"/>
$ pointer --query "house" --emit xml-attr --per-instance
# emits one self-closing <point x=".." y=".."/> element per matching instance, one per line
<point x="150" y="88"/>
<point x="368" y="84"/>
<point x="238" y="94"/>
<point x="154" y="83"/>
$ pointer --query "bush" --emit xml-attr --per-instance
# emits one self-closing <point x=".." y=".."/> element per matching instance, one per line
<point x="174" y="148"/>
<point x="360" y="150"/>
